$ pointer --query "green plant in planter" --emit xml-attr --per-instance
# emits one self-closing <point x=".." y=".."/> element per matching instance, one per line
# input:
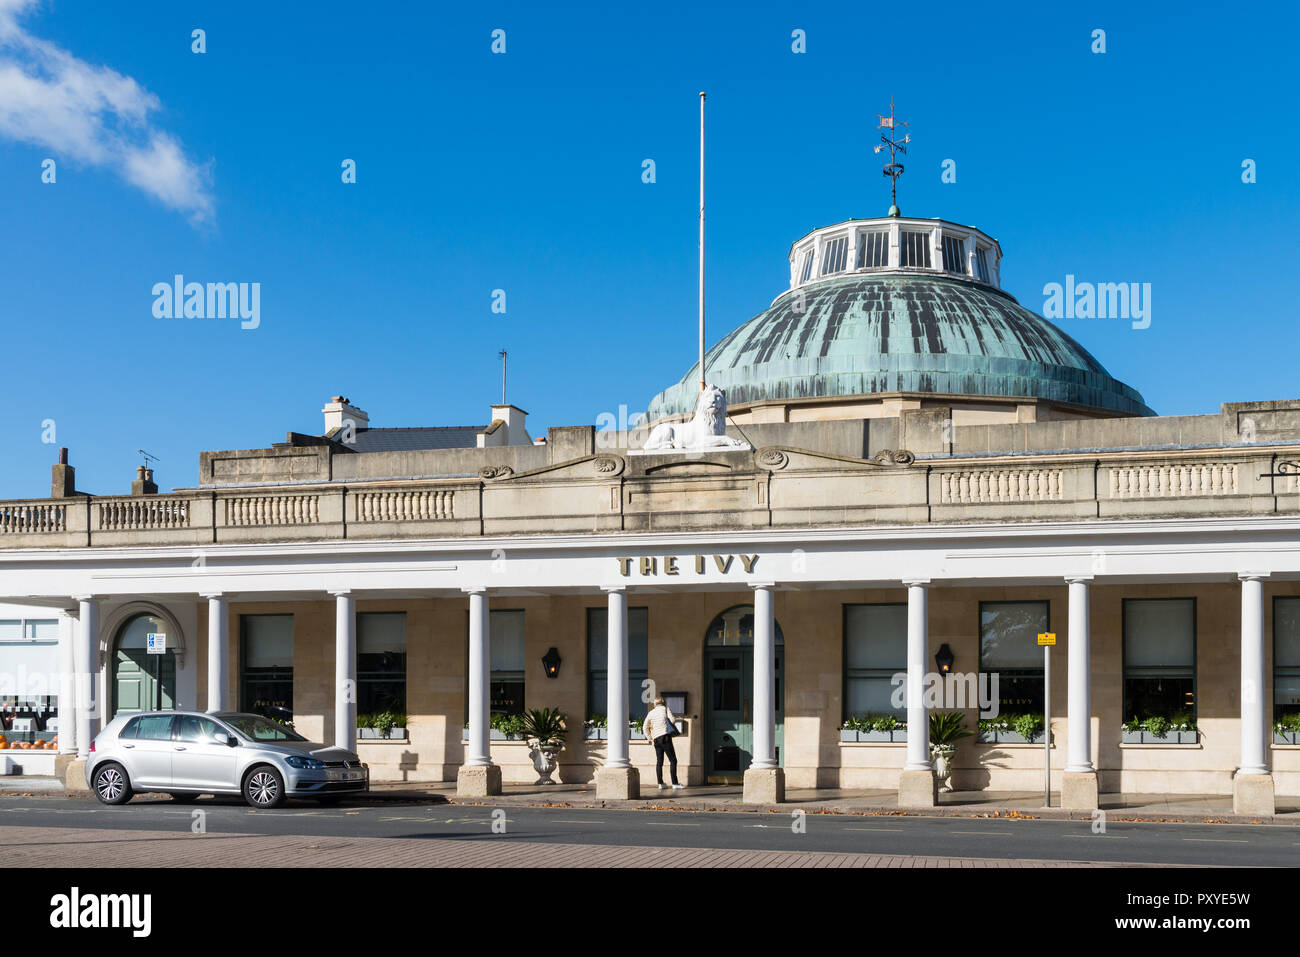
<point x="597" y="721"/>
<point x="1156" y="725"/>
<point x="1028" y="726"/>
<point x="515" y="724"/>
<point x="1133" y="724"/>
<point x="948" y="727"/>
<point x="884" y="722"/>
<point x="1182" y="721"/>
<point x="1288" y="724"/>
<point x="545" y="726"/>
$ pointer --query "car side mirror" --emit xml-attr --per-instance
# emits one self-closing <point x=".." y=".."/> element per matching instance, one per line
<point x="221" y="737"/>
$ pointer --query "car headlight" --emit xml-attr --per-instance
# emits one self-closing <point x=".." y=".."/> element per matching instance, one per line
<point x="306" y="764"/>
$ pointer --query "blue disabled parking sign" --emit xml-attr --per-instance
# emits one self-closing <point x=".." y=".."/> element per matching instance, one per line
<point x="155" y="643"/>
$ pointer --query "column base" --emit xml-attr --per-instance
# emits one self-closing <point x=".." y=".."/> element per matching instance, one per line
<point x="918" y="789"/>
<point x="618" y="784"/>
<point x="1079" y="790"/>
<point x="1253" y="794"/>
<point x="73" y="772"/>
<point x="478" y="780"/>
<point x="764" y="786"/>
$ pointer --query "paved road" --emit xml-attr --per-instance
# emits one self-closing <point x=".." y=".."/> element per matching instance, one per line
<point x="429" y="832"/>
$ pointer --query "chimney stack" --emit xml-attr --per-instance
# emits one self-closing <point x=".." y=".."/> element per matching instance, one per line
<point x="63" y="482"/>
<point x="339" y="411"/>
<point x="143" y="484"/>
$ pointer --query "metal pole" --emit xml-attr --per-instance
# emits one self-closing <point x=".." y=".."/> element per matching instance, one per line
<point x="702" y="379"/>
<point x="1047" y="725"/>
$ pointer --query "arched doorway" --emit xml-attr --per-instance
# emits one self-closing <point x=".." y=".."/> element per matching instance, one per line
<point x="729" y="695"/>
<point x="141" y="681"/>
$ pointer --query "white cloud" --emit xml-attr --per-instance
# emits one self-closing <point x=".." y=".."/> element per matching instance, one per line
<point x="92" y="114"/>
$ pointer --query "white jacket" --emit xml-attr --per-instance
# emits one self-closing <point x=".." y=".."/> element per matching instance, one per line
<point x="656" y="722"/>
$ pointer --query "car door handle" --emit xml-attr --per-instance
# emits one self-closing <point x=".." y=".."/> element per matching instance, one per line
<point x="178" y="748"/>
<point x="128" y="745"/>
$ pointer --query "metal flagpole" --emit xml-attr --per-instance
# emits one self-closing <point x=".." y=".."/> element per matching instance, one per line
<point x="702" y="379"/>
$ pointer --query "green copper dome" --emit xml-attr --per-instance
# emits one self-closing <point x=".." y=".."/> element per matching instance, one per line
<point x="874" y="333"/>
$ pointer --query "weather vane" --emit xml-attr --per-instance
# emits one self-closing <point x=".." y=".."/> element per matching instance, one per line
<point x="890" y="141"/>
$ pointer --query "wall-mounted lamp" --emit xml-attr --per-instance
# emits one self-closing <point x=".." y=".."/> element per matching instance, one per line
<point x="551" y="662"/>
<point x="944" y="659"/>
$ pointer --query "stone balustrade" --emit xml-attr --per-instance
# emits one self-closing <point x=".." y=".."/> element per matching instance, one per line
<point x="771" y="487"/>
<point x="141" y="513"/>
<point x="1173" y="480"/>
<point x="27" y="518"/>
<point x="1001" y="485"/>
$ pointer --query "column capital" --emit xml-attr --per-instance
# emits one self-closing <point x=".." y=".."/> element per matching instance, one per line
<point x="474" y="589"/>
<point x="209" y="595"/>
<point x="613" y="588"/>
<point x="341" y="592"/>
<point x="80" y="598"/>
<point x="757" y="585"/>
<point x="1253" y="576"/>
<point x="909" y="582"/>
<point x="1078" y="579"/>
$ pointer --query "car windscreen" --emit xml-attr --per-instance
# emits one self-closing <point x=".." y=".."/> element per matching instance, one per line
<point x="257" y="728"/>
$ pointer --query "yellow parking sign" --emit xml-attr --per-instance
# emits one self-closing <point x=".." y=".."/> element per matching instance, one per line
<point x="1047" y="638"/>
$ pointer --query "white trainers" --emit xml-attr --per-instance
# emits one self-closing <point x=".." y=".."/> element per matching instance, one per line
<point x="662" y="786"/>
<point x="678" y="787"/>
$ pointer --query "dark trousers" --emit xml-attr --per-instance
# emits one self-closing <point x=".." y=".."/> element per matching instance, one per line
<point x="664" y="745"/>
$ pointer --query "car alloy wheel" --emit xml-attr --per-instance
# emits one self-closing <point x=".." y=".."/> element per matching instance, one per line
<point x="111" y="785"/>
<point x="264" y="788"/>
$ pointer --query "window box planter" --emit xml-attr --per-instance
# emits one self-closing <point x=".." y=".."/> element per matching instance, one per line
<point x="1286" y="737"/>
<point x="847" y="736"/>
<point x="1169" y="737"/>
<point x="595" y="734"/>
<point x="394" y="734"/>
<point x="1008" y="737"/>
<point x="493" y="735"/>
<point x="883" y="737"/>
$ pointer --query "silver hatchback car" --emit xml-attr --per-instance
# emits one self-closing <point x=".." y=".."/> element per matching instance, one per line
<point x="188" y="753"/>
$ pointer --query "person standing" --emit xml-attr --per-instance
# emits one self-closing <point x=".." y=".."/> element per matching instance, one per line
<point x="660" y="726"/>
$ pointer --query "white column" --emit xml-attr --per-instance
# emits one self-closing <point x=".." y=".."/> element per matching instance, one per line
<point x="345" y="670"/>
<point x="218" y="654"/>
<point x="1079" y="704"/>
<point x="616" y="710"/>
<point x="1254" y="755"/>
<point x="764" y="679"/>
<point x="479" y="675"/>
<point x="85" y="663"/>
<point x="67" y="683"/>
<point x="918" y="635"/>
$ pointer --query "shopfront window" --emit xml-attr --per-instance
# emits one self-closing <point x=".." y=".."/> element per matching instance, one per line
<point x="638" y="660"/>
<point x="1286" y="657"/>
<point x="266" y="665"/>
<point x="381" y="662"/>
<point x="1009" y="648"/>
<point x="875" y="649"/>
<point x="29" y="683"/>
<point x="506" y="684"/>
<point x="1160" y="658"/>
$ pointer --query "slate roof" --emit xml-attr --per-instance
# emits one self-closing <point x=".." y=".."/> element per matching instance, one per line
<point x="876" y="333"/>
<point x="414" y="440"/>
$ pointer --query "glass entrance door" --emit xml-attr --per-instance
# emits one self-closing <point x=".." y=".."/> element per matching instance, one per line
<point x="729" y="685"/>
<point x="141" y="681"/>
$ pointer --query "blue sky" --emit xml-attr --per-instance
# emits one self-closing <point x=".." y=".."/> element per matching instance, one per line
<point x="522" y="172"/>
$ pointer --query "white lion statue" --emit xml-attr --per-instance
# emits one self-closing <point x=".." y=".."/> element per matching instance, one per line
<point x="708" y="430"/>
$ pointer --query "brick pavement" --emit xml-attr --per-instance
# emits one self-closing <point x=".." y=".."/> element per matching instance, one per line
<point x="104" y="847"/>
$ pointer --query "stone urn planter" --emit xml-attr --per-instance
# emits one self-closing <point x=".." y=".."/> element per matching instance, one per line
<point x="545" y="761"/>
<point x="943" y="755"/>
